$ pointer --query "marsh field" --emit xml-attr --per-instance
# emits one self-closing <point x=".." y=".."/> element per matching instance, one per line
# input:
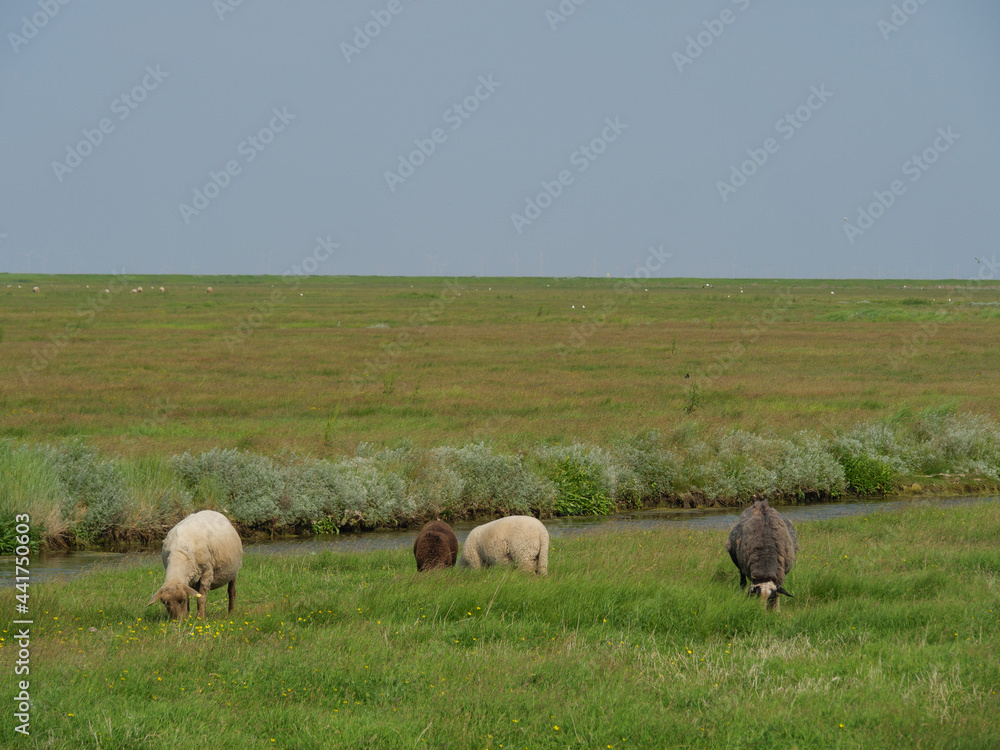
<point x="447" y="387"/>
<point x="268" y="364"/>
<point x="305" y="404"/>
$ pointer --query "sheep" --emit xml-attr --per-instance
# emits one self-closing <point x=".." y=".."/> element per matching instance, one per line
<point x="35" y="290"/>
<point x="139" y="289"/>
<point x="762" y="546"/>
<point x="522" y="540"/>
<point x="200" y="553"/>
<point x="435" y="547"/>
<point x="209" y="290"/>
<point x="162" y="289"/>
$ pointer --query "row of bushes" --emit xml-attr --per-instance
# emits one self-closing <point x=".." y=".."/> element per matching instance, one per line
<point x="79" y="497"/>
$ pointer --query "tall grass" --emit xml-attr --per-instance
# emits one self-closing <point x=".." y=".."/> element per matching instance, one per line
<point x="81" y="498"/>
<point x="633" y="640"/>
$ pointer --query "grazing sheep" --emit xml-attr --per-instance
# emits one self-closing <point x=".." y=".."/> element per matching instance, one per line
<point x="522" y="540"/>
<point x="209" y="290"/>
<point x="35" y="289"/>
<point x="200" y="553"/>
<point x="162" y="289"/>
<point x="762" y="546"/>
<point x="436" y="546"/>
<point x="139" y="289"/>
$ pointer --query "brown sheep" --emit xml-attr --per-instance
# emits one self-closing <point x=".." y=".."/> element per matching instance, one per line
<point x="435" y="547"/>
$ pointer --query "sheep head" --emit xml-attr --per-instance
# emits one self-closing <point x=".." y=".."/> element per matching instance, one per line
<point x="768" y="592"/>
<point x="175" y="598"/>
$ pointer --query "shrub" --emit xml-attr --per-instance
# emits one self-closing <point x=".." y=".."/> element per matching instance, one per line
<point x="806" y="466"/>
<point x="878" y="441"/>
<point x="648" y="472"/>
<point x="957" y="444"/>
<point x="578" y="491"/>
<point x="495" y="484"/>
<point x="95" y="492"/>
<point x="246" y="486"/>
<point x="366" y="495"/>
<point x="740" y="468"/>
<point x="866" y="475"/>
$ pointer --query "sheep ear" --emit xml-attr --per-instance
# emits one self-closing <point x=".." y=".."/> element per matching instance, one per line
<point x="781" y="590"/>
<point x="192" y="592"/>
<point x="156" y="597"/>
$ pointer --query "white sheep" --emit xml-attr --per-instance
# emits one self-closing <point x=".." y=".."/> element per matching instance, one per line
<point x="162" y="289"/>
<point x="522" y="540"/>
<point x="200" y="553"/>
<point x="35" y="289"/>
<point x="209" y="290"/>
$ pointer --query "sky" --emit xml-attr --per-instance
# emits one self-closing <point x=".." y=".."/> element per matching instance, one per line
<point x="726" y="138"/>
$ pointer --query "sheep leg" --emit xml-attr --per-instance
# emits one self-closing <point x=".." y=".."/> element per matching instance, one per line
<point x="232" y="594"/>
<point x="743" y="581"/>
<point x="203" y="587"/>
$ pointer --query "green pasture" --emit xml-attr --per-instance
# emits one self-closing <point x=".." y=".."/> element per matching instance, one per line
<point x="633" y="640"/>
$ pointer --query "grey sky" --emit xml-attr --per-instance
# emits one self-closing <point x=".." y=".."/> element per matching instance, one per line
<point x="819" y="107"/>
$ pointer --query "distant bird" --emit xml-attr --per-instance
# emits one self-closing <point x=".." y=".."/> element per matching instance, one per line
<point x="978" y="261"/>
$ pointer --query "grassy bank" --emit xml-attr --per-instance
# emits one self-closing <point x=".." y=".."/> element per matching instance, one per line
<point x="77" y="497"/>
<point x="633" y="641"/>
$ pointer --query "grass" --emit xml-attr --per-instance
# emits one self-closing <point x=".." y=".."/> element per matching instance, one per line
<point x="356" y="360"/>
<point x="633" y="640"/>
<point x="334" y="369"/>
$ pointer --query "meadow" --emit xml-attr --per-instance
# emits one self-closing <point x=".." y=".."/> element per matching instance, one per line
<point x="315" y="403"/>
<point x="635" y="640"/>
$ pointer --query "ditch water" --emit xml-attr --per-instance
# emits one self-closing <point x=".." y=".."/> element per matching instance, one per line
<point x="51" y="566"/>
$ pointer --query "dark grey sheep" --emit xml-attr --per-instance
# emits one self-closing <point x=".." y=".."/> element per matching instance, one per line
<point x="436" y="546"/>
<point x="762" y="546"/>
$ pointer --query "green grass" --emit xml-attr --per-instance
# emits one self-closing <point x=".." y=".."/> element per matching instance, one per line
<point x="509" y="360"/>
<point x="633" y="640"/>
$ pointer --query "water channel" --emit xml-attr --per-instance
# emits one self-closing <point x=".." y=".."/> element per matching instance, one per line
<point x="61" y="565"/>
